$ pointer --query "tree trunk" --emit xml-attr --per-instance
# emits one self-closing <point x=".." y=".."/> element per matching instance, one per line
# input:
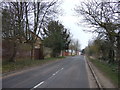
<point x="118" y="47"/>
<point x="71" y="52"/>
<point x="62" y="52"/>
<point x="118" y="58"/>
<point x="111" y="52"/>
<point x="76" y="52"/>
<point x="12" y="59"/>
<point x="53" y="54"/>
<point x="111" y="56"/>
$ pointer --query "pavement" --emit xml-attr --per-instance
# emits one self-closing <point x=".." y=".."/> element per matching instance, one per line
<point x="103" y="79"/>
<point x="70" y="72"/>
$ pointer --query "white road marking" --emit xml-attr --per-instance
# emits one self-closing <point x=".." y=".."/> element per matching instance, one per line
<point x="62" y="68"/>
<point x="53" y="74"/>
<point x="38" y="84"/>
<point x="49" y="78"/>
<point x="57" y="72"/>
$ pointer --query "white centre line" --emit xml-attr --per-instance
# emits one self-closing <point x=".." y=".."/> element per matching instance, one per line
<point x="57" y="72"/>
<point x="50" y="77"/>
<point x="62" y="68"/>
<point x="53" y="74"/>
<point x="38" y="84"/>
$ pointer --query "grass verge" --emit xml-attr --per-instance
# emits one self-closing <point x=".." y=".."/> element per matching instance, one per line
<point x="22" y="64"/>
<point x="107" y="70"/>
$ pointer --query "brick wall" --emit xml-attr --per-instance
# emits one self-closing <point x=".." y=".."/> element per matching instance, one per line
<point x="23" y="50"/>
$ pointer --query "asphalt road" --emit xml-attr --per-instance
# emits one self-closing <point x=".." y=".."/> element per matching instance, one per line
<point x="67" y="73"/>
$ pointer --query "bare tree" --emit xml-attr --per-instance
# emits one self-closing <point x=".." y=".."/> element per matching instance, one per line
<point x="104" y="16"/>
<point x="77" y="46"/>
<point x="26" y="18"/>
<point x="74" y="46"/>
<point x="42" y="12"/>
<point x="13" y="29"/>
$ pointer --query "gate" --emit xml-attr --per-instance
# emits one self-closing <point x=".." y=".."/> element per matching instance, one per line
<point x="38" y="54"/>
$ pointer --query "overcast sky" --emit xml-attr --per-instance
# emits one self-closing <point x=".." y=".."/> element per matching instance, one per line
<point x="69" y="20"/>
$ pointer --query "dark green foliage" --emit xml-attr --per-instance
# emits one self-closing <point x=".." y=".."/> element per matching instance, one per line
<point x="57" y="38"/>
<point x="83" y="51"/>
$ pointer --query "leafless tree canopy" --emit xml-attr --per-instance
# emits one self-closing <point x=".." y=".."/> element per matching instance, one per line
<point x="100" y="14"/>
<point x="105" y="17"/>
<point x="23" y="19"/>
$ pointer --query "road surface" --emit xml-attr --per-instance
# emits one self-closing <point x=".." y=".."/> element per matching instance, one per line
<point x="67" y="73"/>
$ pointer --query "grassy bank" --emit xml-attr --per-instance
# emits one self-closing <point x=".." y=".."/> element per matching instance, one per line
<point x="107" y="70"/>
<point x="22" y="64"/>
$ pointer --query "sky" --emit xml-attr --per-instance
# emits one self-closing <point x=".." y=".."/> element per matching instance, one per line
<point x="70" y="21"/>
